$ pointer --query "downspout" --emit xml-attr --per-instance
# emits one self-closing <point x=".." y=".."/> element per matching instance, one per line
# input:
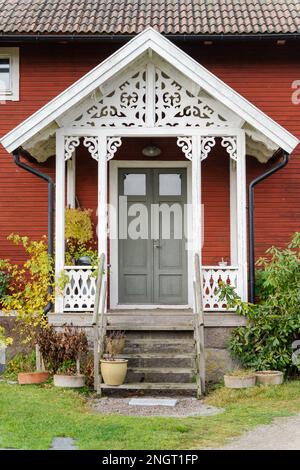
<point x="251" y="227"/>
<point x="39" y="174"/>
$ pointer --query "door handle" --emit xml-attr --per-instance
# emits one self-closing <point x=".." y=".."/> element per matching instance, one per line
<point x="156" y="244"/>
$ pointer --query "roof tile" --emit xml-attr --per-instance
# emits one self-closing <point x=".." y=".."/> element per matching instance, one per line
<point x="132" y="16"/>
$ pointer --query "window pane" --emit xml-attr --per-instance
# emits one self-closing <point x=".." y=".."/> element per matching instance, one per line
<point x="135" y="184"/>
<point x="170" y="184"/>
<point x="4" y="74"/>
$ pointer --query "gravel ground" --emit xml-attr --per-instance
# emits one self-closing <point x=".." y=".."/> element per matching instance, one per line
<point x="282" y="434"/>
<point x="184" y="407"/>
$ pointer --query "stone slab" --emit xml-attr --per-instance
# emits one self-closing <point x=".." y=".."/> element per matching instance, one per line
<point x="63" y="443"/>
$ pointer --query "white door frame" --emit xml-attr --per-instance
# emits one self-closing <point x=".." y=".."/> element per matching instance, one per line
<point x="114" y="166"/>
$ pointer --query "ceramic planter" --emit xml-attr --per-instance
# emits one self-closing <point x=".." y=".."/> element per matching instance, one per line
<point x="235" y="381"/>
<point x="69" y="381"/>
<point x="29" y="378"/>
<point x="114" y="372"/>
<point x="269" y="377"/>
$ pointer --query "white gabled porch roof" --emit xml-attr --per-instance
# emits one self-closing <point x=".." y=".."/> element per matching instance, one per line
<point x="147" y="40"/>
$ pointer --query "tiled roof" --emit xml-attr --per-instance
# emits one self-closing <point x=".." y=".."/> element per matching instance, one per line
<point x="132" y="16"/>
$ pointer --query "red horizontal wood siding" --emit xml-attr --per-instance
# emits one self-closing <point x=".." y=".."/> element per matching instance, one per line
<point x="263" y="74"/>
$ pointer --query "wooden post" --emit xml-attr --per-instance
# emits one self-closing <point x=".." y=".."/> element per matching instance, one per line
<point x="59" y="216"/>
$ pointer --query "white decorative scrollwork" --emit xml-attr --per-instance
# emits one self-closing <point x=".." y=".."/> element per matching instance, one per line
<point x="92" y="144"/>
<point x="185" y="143"/>
<point x="71" y="142"/>
<point x="113" y="143"/>
<point x="230" y="144"/>
<point x="79" y="292"/>
<point x="122" y="106"/>
<point x="213" y="276"/>
<point x="123" y="103"/>
<point x="207" y="143"/>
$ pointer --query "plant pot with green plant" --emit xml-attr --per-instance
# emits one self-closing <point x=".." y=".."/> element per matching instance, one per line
<point x="240" y="378"/>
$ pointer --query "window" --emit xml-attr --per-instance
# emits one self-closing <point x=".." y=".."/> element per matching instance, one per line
<point x="135" y="184"/>
<point x="169" y="184"/>
<point x="9" y="73"/>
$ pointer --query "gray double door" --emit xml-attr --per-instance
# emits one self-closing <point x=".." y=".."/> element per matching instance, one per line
<point x="152" y="242"/>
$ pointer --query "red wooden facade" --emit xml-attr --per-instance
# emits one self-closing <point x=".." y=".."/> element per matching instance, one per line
<point x="262" y="73"/>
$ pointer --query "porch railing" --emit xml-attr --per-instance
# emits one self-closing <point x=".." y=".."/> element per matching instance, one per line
<point x="79" y="292"/>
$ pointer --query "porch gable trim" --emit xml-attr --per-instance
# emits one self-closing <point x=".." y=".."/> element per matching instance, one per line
<point x="153" y="41"/>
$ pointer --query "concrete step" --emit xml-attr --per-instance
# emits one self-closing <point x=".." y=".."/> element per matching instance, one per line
<point x="151" y="386"/>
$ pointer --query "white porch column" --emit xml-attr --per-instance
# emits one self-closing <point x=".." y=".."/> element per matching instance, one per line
<point x="233" y="212"/>
<point x="196" y="196"/>
<point x="71" y="181"/>
<point x="59" y="216"/>
<point x="241" y="215"/>
<point x="102" y="198"/>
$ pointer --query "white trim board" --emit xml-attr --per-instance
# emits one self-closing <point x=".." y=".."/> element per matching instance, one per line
<point x="151" y="40"/>
<point x="114" y="166"/>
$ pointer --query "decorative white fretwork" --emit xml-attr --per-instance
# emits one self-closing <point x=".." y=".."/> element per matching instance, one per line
<point x="122" y="106"/>
<point x="113" y="143"/>
<point x="177" y="106"/>
<point x="212" y="277"/>
<point x="207" y="143"/>
<point x="92" y="144"/>
<point x="185" y="143"/>
<point x="71" y="142"/>
<point x="123" y="103"/>
<point x="230" y="144"/>
<point x="79" y="292"/>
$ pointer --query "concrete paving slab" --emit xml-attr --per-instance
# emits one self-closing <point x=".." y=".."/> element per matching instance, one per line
<point x="63" y="443"/>
<point x="152" y="402"/>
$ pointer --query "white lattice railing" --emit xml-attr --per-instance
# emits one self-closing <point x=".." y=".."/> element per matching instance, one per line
<point x="79" y="292"/>
<point x="212" y="276"/>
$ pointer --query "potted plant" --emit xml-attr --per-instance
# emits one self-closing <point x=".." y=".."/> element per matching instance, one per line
<point x="269" y="377"/>
<point x="240" y="378"/>
<point x="62" y="351"/>
<point x="113" y="369"/>
<point x="115" y="342"/>
<point x="4" y="342"/>
<point x="79" y="231"/>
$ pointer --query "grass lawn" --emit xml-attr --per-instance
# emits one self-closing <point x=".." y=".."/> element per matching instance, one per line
<point x="30" y="416"/>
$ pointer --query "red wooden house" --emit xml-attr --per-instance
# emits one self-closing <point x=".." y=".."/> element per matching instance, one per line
<point x="130" y="106"/>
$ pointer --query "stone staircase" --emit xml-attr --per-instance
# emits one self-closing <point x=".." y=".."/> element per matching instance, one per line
<point x="160" y="349"/>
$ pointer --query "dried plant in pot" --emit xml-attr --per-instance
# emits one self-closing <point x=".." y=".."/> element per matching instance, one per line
<point x="240" y="378"/>
<point x="114" y="369"/>
<point x="115" y="342"/>
<point x="62" y="351"/>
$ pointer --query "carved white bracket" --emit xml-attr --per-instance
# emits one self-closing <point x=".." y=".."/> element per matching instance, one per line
<point x="229" y="143"/>
<point x="185" y="143"/>
<point x="113" y="143"/>
<point x="207" y="143"/>
<point x="92" y="144"/>
<point x="71" y="142"/>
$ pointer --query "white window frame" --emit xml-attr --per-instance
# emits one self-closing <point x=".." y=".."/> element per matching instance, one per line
<point x="11" y="53"/>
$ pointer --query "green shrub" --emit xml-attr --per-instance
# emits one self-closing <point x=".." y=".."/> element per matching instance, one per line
<point x="4" y="283"/>
<point x="274" y="322"/>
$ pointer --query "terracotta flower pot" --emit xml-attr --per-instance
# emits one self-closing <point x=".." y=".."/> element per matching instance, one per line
<point x="114" y="372"/>
<point x="69" y="381"/>
<point x="235" y="381"/>
<point x="29" y="378"/>
<point x="269" y="377"/>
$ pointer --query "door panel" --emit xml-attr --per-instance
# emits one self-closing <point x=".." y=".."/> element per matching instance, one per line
<point x="153" y="265"/>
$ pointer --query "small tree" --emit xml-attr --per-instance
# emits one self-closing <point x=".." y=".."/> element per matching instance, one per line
<point x="273" y="324"/>
<point x="27" y="293"/>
